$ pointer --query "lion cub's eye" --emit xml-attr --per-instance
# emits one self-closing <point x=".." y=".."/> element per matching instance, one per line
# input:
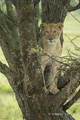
<point x="47" y="32"/>
<point x="54" y="32"/>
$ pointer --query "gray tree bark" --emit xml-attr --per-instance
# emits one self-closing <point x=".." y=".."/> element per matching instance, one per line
<point x="18" y="36"/>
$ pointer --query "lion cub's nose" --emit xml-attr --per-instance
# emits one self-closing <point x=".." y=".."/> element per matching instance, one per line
<point x="50" y="39"/>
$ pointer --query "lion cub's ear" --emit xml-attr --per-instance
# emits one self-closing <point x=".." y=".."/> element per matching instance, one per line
<point x="42" y="26"/>
<point x="60" y="26"/>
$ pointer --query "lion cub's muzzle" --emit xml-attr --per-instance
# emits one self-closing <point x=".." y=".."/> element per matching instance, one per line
<point x="51" y="41"/>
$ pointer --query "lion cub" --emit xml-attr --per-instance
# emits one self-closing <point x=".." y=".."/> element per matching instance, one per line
<point x="50" y="43"/>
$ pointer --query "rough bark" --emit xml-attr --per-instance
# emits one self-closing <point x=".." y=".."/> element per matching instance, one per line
<point x="24" y="72"/>
<point x="54" y="11"/>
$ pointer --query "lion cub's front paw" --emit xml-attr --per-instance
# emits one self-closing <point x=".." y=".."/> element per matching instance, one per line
<point x="54" y="90"/>
<point x="46" y="90"/>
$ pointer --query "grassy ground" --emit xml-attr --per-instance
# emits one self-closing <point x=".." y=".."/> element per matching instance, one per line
<point x="75" y="110"/>
<point x="9" y="109"/>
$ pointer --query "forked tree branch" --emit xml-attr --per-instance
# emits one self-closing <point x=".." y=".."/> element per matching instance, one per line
<point x="3" y="19"/>
<point x="10" y="42"/>
<point x="14" y="3"/>
<point x="11" y="11"/>
<point x="74" y="77"/>
<point x="70" y="9"/>
<point x="72" y="74"/>
<point x="4" y="69"/>
<point x="72" y="101"/>
<point x="36" y="2"/>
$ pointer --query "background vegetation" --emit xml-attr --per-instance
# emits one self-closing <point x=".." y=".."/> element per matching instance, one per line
<point x="8" y="103"/>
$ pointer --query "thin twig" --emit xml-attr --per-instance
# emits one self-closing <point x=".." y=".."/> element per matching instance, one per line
<point x="75" y="45"/>
<point x="72" y="41"/>
<point x="54" y="58"/>
<point x="75" y="38"/>
<point x="74" y="17"/>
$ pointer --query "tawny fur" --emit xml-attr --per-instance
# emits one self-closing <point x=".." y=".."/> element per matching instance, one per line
<point x="50" y="42"/>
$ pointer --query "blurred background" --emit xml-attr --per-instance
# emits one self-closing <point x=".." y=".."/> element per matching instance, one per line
<point x="9" y="109"/>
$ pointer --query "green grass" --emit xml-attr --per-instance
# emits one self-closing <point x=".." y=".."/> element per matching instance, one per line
<point x="5" y="89"/>
<point x="9" y="109"/>
<point x="75" y="110"/>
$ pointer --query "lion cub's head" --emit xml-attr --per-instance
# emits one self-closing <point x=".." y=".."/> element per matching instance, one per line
<point x="51" y="32"/>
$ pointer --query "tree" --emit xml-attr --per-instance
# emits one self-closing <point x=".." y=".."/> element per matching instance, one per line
<point x="18" y="33"/>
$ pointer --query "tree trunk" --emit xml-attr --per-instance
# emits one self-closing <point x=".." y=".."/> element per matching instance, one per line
<point x="24" y="71"/>
<point x="38" y="105"/>
<point x="54" y="11"/>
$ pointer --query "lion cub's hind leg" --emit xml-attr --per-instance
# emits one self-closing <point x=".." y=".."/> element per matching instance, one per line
<point x="43" y="73"/>
<point x="47" y="77"/>
<point x="53" y="87"/>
